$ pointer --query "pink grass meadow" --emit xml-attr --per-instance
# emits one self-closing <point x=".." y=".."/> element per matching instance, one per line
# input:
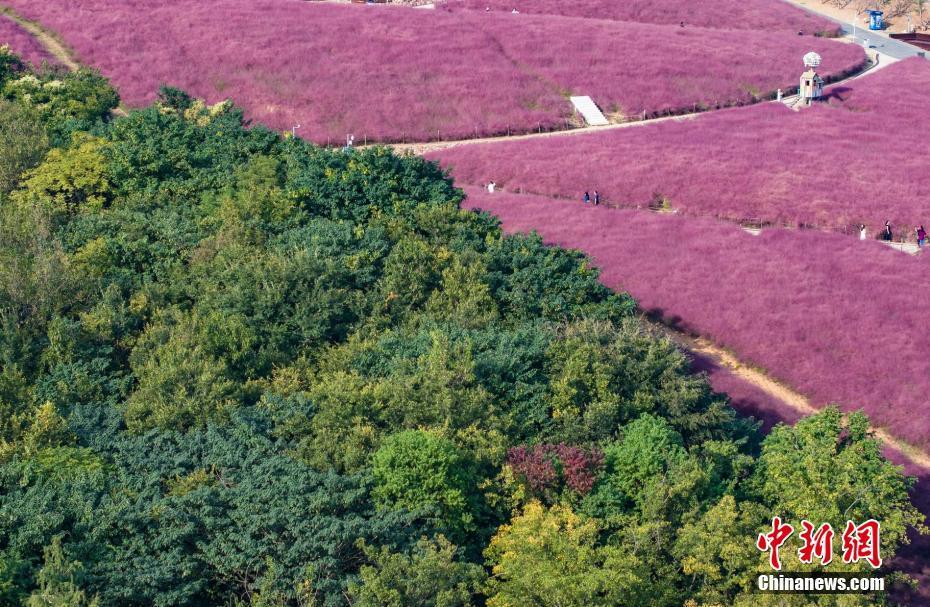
<point x="723" y="14"/>
<point x="394" y="73"/>
<point x="839" y="320"/>
<point x="858" y="159"/>
<point x="23" y="43"/>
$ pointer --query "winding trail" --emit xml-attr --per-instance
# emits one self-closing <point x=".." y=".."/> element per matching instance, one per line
<point x="875" y="60"/>
<point x="55" y="47"/>
<point x="435" y="146"/>
<point x="785" y="395"/>
<point x="697" y="345"/>
<point x="49" y="41"/>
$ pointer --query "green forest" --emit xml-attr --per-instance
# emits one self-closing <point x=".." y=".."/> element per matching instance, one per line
<point x="237" y="369"/>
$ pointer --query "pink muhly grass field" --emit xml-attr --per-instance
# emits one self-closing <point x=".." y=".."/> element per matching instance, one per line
<point x="723" y="14"/>
<point x="859" y="159"/>
<point x="839" y="320"/>
<point x="23" y="43"/>
<point x="628" y="68"/>
<point x="395" y="73"/>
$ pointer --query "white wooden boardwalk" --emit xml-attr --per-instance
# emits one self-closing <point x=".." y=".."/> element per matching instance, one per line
<point x="589" y="110"/>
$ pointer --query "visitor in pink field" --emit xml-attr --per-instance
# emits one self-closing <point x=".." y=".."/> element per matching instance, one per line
<point x="587" y="198"/>
<point x="597" y="198"/>
<point x="886" y="233"/>
<point x="861" y="231"/>
<point x="921" y="236"/>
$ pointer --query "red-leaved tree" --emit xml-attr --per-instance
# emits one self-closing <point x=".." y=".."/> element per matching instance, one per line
<point x="547" y="469"/>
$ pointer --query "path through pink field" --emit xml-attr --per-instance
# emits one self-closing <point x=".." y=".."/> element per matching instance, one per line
<point x="838" y="320"/>
<point x="387" y="73"/>
<point x="23" y="43"/>
<point x="861" y="158"/>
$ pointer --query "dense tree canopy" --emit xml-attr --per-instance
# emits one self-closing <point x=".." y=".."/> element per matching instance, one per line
<point x="238" y="369"/>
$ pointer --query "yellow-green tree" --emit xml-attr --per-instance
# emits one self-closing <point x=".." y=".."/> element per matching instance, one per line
<point x="554" y="558"/>
<point x="429" y="576"/>
<point x="56" y="579"/>
<point x="70" y="180"/>
<point x="23" y="142"/>
<point x="418" y="470"/>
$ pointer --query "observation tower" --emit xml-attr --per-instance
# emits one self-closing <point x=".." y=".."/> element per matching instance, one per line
<point x="811" y="87"/>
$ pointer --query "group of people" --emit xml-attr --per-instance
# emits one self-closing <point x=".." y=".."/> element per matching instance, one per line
<point x="587" y="198"/>
<point x="888" y="234"/>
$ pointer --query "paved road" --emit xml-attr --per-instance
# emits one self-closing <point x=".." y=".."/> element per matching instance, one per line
<point x="886" y="46"/>
<point x="883" y="44"/>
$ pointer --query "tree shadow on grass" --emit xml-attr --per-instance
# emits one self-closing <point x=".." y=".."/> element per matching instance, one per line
<point x="657" y="315"/>
<point x="837" y="94"/>
<point x="749" y="400"/>
<point x="914" y="559"/>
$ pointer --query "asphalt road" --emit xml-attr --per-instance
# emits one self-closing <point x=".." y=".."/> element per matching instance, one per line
<point x="888" y="46"/>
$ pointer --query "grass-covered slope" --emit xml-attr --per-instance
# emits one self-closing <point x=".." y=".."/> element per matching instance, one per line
<point x="718" y="14"/>
<point x="400" y="74"/>
<point x="837" y="319"/>
<point x="851" y="160"/>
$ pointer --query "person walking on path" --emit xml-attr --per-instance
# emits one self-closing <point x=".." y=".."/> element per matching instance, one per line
<point x="861" y="231"/>
<point x="587" y="198"/>
<point x="921" y="236"/>
<point x="886" y="232"/>
<point x="597" y="198"/>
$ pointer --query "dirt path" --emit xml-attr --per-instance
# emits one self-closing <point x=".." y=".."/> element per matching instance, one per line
<point x="782" y="393"/>
<point x="875" y="61"/>
<point x="51" y="44"/>
<point x="424" y="148"/>
<point x="796" y="401"/>
<point x="55" y="47"/>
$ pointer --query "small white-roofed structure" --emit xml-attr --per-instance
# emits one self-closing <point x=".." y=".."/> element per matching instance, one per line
<point x="811" y="87"/>
<point x="812" y="59"/>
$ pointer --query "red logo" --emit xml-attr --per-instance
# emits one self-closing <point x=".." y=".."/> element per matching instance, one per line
<point x="773" y="540"/>
<point x="816" y="544"/>
<point x="860" y="542"/>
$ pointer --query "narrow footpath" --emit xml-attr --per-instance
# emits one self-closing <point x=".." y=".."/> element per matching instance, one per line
<point x="51" y="44"/>
<point x="698" y="346"/>
<point x="57" y="49"/>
